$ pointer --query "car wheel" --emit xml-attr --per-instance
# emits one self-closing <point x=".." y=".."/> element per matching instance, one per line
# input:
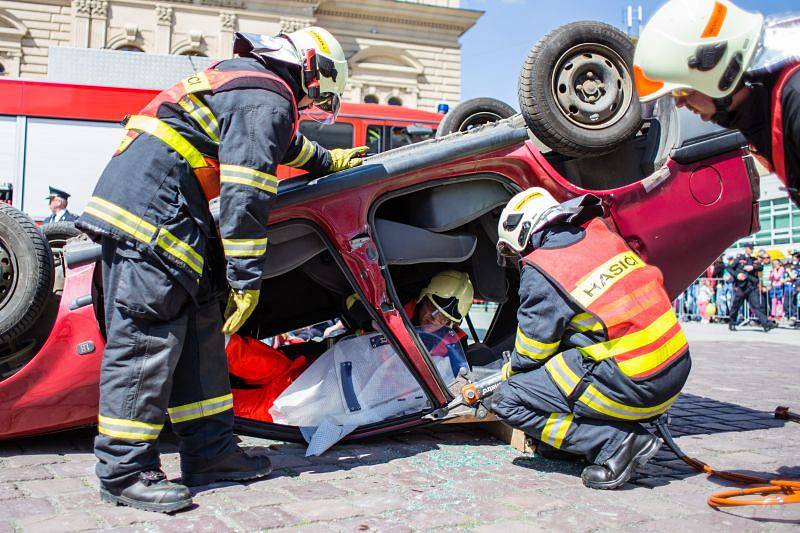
<point x="57" y="233"/>
<point x="576" y="91"/>
<point x="472" y="113"/>
<point x="26" y="273"/>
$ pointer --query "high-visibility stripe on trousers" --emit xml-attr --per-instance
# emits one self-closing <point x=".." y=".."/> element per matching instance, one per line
<point x="195" y="410"/>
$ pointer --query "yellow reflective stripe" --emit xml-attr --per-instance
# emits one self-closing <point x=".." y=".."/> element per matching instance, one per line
<point x="642" y="364"/>
<point x="248" y="176"/>
<point x="244" y="247"/>
<point x="562" y="374"/>
<point x="128" y="429"/>
<point x="201" y="114"/>
<point x="192" y="411"/>
<point x="602" y="278"/>
<point x="179" y="249"/>
<point x="555" y="429"/>
<point x="632" y="341"/>
<point x="601" y="403"/>
<point x="585" y="322"/>
<point x="124" y="143"/>
<point x="533" y="348"/>
<point x="166" y="134"/>
<point x="121" y="219"/>
<point x="196" y="82"/>
<point x="305" y="154"/>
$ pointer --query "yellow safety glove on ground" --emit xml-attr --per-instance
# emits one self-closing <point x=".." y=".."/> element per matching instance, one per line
<point x="240" y="306"/>
<point x="343" y="158"/>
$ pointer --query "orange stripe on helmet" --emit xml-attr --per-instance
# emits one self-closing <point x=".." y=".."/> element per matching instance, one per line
<point x="714" y="24"/>
<point x="644" y="85"/>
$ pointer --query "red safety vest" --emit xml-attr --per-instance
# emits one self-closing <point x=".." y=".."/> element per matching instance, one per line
<point x="778" y="156"/>
<point x="623" y="294"/>
<point x="184" y="93"/>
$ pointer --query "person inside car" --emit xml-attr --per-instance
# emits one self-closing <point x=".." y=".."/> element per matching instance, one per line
<point x="736" y="68"/>
<point x="598" y="346"/>
<point x="265" y="372"/>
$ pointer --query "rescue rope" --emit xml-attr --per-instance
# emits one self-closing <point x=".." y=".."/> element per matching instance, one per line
<point x="771" y="491"/>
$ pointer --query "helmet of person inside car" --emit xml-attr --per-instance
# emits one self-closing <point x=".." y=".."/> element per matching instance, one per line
<point x="450" y="292"/>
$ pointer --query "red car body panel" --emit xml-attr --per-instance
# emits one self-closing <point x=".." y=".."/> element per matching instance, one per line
<point x="58" y="388"/>
<point x="660" y="217"/>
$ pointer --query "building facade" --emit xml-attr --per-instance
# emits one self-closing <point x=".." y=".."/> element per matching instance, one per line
<point x="402" y="52"/>
<point x="779" y="220"/>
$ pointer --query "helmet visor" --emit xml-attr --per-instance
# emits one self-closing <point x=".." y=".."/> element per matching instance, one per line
<point x="447" y="306"/>
<point x="325" y="109"/>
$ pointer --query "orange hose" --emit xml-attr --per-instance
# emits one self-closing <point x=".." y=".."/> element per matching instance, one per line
<point x="773" y="492"/>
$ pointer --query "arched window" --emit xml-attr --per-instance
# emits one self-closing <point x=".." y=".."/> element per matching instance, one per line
<point x="370" y="99"/>
<point x="394" y="100"/>
<point x="129" y="48"/>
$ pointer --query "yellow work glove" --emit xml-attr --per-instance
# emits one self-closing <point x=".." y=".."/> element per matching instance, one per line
<point x="506" y="371"/>
<point x="240" y="306"/>
<point x="343" y="158"/>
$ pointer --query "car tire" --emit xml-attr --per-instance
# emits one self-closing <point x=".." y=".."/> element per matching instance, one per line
<point x="57" y="233"/>
<point x="576" y="90"/>
<point x="472" y="113"/>
<point x="26" y="273"/>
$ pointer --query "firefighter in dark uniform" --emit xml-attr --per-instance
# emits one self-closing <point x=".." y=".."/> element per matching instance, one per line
<point x="165" y="265"/>
<point x="746" y="281"/>
<point x="736" y="68"/>
<point x="598" y="348"/>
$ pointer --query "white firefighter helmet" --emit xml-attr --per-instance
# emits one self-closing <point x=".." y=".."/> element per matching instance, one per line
<point x="320" y="57"/>
<point x="524" y="214"/>
<point x="451" y="292"/>
<point x="701" y="45"/>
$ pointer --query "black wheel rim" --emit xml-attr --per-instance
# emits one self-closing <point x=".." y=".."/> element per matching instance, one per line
<point x="8" y="273"/>
<point x="592" y="86"/>
<point x="479" y="119"/>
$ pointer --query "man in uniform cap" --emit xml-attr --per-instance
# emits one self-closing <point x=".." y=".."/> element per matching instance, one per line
<point x="58" y="207"/>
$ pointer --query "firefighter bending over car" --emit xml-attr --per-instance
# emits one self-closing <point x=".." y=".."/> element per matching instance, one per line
<point x="598" y="349"/>
<point x="220" y="132"/>
<point x="735" y="68"/>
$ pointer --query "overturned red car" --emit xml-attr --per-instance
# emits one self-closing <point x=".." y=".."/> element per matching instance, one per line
<point x="678" y="191"/>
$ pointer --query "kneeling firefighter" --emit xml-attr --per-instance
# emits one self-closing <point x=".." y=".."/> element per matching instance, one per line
<point x="220" y="132"/>
<point x="598" y="347"/>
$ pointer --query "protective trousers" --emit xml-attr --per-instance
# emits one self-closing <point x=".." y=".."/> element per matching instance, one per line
<point x="165" y="354"/>
<point x="752" y="297"/>
<point x="531" y="402"/>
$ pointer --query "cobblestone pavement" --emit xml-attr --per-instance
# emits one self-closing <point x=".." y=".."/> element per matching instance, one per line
<point x="457" y="477"/>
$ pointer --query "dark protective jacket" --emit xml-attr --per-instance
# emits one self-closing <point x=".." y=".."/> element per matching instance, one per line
<point x="637" y="359"/>
<point x="756" y="116"/>
<point x="225" y="129"/>
<point x="751" y="278"/>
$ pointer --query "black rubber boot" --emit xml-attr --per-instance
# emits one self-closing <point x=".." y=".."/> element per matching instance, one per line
<point x="771" y="324"/>
<point x="151" y="492"/>
<point x="732" y="326"/>
<point x="634" y="452"/>
<point x="553" y="453"/>
<point x="238" y="465"/>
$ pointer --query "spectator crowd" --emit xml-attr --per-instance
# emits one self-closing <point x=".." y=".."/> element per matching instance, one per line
<point x="750" y="286"/>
